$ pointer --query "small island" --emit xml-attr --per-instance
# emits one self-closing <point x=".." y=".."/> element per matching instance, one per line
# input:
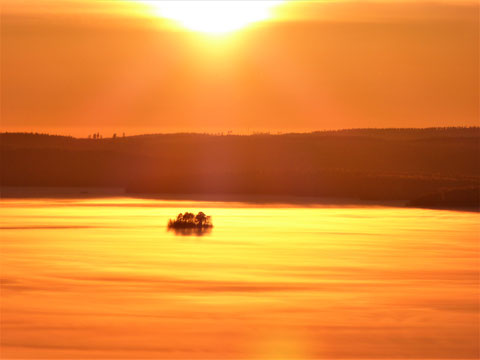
<point x="191" y="221"/>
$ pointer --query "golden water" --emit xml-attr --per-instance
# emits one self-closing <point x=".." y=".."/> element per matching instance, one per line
<point x="104" y="279"/>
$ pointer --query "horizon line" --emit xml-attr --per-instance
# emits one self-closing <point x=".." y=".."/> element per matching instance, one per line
<point x="232" y="133"/>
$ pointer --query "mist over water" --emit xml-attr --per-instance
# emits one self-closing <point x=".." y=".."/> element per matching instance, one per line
<point x="103" y="278"/>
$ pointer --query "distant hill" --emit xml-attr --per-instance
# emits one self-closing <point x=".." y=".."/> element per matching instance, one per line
<point x="459" y="198"/>
<point x="360" y="163"/>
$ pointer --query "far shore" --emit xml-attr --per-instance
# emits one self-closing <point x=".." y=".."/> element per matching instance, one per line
<point x="9" y="192"/>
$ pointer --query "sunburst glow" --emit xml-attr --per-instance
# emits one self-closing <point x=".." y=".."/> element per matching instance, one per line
<point x="213" y="16"/>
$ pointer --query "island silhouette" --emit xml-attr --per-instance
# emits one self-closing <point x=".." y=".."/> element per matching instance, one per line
<point x="191" y="224"/>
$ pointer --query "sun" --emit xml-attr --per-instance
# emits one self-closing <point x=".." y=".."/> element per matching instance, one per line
<point x="213" y="16"/>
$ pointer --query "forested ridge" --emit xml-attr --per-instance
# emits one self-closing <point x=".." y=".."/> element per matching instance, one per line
<point x="361" y="163"/>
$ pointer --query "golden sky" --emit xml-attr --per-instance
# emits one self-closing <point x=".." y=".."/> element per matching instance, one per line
<point x="77" y="67"/>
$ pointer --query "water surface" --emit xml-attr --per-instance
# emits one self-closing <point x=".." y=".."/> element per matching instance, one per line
<point x="102" y="278"/>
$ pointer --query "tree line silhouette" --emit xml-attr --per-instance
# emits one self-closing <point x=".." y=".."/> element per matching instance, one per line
<point x="98" y="136"/>
<point x="190" y="220"/>
<point x="376" y="164"/>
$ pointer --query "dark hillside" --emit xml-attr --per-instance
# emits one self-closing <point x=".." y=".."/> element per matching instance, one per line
<point x="362" y="163"/>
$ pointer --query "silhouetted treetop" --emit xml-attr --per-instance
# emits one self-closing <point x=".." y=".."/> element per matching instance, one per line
<point x="190" y="220"/>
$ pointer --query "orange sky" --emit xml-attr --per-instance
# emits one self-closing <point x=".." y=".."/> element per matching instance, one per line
<point x="77" y="67"/>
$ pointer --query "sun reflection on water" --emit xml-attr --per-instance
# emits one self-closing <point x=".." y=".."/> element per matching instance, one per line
<point x="81" y="277"/>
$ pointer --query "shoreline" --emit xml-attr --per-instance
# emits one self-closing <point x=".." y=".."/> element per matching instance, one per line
<point x="12" y="192"/>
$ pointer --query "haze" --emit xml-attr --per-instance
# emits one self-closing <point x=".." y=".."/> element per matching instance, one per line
<point x="79" y="67"/>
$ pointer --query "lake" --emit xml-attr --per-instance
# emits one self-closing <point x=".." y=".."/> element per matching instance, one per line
<point x="103" y="278"/>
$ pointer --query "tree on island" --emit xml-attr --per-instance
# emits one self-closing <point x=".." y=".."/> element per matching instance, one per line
<point x="190" y="220"/>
